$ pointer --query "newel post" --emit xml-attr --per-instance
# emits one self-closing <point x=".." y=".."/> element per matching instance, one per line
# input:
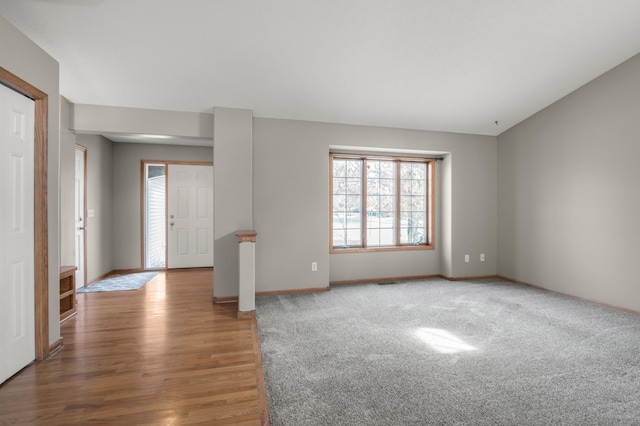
<point x="247" y="265"/>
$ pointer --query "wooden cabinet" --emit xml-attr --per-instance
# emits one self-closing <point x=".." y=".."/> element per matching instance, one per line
<point x="67" y="292"/>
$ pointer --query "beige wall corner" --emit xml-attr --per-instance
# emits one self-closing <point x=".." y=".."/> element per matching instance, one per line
<point x="568" y="192"/>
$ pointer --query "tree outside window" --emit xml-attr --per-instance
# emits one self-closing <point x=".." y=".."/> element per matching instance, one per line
<point x="381" y="203"/>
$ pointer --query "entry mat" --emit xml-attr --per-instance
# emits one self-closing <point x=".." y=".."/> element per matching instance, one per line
<point x="120" y="283"/>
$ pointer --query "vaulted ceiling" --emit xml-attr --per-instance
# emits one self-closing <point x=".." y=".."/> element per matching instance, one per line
<point x="449" y="65"/>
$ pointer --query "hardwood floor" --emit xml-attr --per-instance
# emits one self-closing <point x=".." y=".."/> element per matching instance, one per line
<point x="161" y="355"/>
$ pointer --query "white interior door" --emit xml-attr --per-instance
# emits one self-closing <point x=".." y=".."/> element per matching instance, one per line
<point x="80" y="225"/>
<point x="17" y="311"/>
<point x="190" y="216"/>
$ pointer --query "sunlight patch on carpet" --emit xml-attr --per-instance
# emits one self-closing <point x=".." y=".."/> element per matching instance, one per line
<point x="443" y="341"/>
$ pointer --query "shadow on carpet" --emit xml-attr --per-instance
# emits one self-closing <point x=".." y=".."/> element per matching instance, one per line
<point x="120" y="283"/>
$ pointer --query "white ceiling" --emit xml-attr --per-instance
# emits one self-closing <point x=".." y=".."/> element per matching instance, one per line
<point x="451" y="65"/>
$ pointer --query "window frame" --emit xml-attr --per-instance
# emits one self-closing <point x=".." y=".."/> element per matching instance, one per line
<point x="430" y="187"/>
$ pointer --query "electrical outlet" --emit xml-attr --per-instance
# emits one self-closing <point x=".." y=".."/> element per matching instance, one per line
<point x="467" y="258"/>
<point x="314" y="266"/>
<point x="481" y="257"/>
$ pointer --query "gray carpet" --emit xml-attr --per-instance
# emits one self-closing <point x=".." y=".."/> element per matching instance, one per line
<point x="437" y="352"/>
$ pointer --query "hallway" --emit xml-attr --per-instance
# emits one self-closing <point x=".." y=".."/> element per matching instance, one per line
<point x="161" y="355"/>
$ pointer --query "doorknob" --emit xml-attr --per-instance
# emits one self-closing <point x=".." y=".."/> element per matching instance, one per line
<point x="82" y="228"/>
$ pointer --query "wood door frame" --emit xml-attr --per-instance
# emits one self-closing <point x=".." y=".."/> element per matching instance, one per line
<point x="83" y="149"/>
<point x="143" y="215"/>
<point x="41" y="223"/>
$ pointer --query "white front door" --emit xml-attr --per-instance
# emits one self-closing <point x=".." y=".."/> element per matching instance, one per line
<point x="190" y="216"/>
<point x="80" y="224"/>
<point x="17" y="288"/>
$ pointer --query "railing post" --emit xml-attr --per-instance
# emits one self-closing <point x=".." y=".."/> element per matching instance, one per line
<point x="247" y="265"/>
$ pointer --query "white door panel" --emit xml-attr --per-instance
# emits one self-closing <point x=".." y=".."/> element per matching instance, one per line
<point x="17" y="312"/>
<point x="80" y="220"/>
<point x="190" y="211"/>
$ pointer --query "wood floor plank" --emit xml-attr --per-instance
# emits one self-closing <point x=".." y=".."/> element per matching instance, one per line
<point x="164" y="354"/>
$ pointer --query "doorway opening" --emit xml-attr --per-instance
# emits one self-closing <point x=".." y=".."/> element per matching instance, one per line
<point x="178" y="214"/>
<point x="80" y="233"/>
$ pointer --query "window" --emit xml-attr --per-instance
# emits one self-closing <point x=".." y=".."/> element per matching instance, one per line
<point x="381" y="203"/>
<point x="155" y="216"/>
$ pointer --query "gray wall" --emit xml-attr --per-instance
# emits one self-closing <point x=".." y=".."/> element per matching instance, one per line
<point x="67" y="185"/>
<point x="99" y="199"/>
<point x="25" y="59"/>
<point x="444" y="217"/>
<point x="233" y="191"/>
<point x="291" y="204"/>
<point x="568" y="190"/>
<point x="273" y="175"/>
<point x="127" y="157"/>
<point x="105" y="119"/>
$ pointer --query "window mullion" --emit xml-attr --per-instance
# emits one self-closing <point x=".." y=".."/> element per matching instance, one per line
<point x="363" y="205"/>
<point x="430" y="200"/>
<point x="396" y="225"/>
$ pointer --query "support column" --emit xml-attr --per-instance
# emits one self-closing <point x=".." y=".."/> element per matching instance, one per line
<point x="233" y="195"/>
<point x="247" y="273"/>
